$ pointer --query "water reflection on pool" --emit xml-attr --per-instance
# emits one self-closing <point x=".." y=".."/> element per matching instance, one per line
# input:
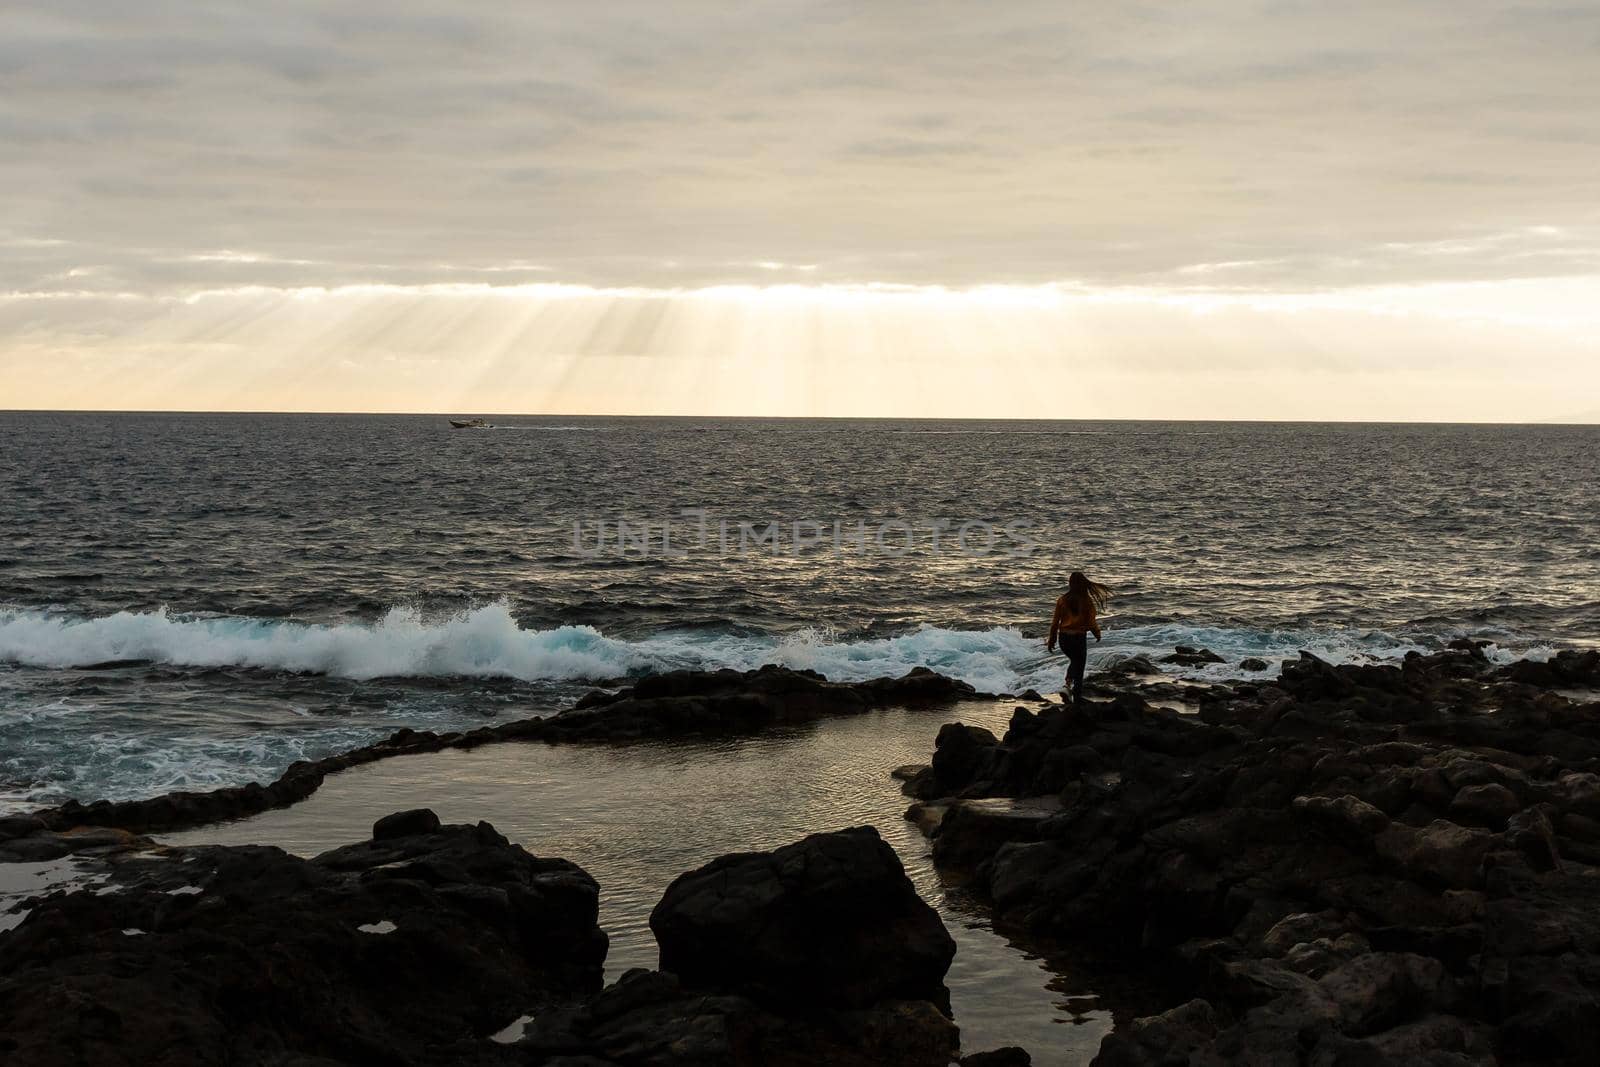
<point x="637" y="816"/>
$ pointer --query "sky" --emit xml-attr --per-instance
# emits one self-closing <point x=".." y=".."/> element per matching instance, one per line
<point x="1219" y="209"/>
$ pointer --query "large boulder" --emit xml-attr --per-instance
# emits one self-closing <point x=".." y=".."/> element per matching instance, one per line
<point x="831" y="921"/>
<point x="1165" y="1040"/>
<point x="961" y="755"/>
<point x="409" y="949"/>
<point x="1440" y="853"/>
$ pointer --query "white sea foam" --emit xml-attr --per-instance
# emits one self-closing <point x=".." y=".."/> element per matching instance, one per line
<point x="482" y="642"/>
<point x="488" y="642"/>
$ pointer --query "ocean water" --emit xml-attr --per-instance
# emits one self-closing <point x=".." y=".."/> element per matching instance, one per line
<point x="197" y="600"/>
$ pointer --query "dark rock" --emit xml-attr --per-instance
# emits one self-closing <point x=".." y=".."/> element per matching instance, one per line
<point x="970" y="831"/>
<point x="1166" y="1040"/>
<point x="831" y="920"/>
<point x="1435" y="1040"/>
<point x="1490" y="804"/>
<point x="1300" y="928"/>
<point x="919" y="687"/>
<point x="1252" y="663"/>
<point x="405" y="824"/>
<point x="1318" y="957"/>
<point x="1346" y="818"/>
<point x="41" y="845"/>
<point x="1009" y="1056"/>
<point x="1187" y="656"/>
<point x="649" y="1018"/>
<point x="1131" y="667"/>
<point x="1353" y="864"/>
<point x="1530" y="833"/>
<point x="19" y="826"/>
<point x="961" y="754"/>
<point x="674" y="704"/>
<point x="1468" y="645"/>
<point x="409" y="951"/>
<point x="1440" y="853"/>
<point x="1020" y="869"/>
<point x="1381" y="989"/>
<point x="1553" y="1012"/>
<point x="927" y="815"/>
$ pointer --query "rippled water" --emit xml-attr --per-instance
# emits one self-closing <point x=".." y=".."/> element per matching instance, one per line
<point x="195" y="600"/>
<point x="636" y="817"/>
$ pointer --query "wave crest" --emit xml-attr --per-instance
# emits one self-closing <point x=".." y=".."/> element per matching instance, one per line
<point x="488" y="642"/>
<point x="482" y="642"/>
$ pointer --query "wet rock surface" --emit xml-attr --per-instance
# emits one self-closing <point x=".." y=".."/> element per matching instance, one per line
<point x="832" y="919"/>
<point x="403" y="950"/>
<point x="650" y="1018"/>
<point x="418" y="945"/>
<point x="819" y="952"/>
<point x="1189" y="656"/>
<point x="1344" y="865"/>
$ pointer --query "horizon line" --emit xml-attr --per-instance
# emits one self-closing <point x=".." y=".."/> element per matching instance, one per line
<point x="785" y="418"/>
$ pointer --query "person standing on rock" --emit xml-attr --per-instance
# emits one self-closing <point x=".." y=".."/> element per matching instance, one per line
<point x="1076" y="617"/>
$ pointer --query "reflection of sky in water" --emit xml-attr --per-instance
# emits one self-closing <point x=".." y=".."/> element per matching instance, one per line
<point x="636" y="817"/>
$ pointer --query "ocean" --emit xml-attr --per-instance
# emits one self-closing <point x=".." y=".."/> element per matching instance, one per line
<point x="191" y="600"/>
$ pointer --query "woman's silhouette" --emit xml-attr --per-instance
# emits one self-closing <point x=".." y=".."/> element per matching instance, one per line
<point x="1077" y="616"/>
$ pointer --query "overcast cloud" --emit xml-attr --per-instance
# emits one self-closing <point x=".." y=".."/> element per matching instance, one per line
<point x="1247" y="143"/>
<point x="1264" y="209"/>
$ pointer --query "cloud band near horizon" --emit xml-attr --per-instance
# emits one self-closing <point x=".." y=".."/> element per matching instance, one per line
<point x="1310" y="207"/>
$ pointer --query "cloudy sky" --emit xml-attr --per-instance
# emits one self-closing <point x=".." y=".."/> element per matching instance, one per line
<point x="1240" y="209"/>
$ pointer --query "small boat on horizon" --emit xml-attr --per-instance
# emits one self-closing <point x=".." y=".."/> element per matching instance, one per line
<point x="468" y="424"/>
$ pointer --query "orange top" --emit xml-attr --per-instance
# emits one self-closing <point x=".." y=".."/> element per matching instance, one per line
<point x="1067" y="621"/>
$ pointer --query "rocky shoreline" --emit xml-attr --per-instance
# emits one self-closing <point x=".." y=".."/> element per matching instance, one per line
<point x="677" y="704"/>
<point x="449" y="944"/>
<point x="1346" y="865"/>
<point x="1343" y="865"/>
<point x="432" y="944"/>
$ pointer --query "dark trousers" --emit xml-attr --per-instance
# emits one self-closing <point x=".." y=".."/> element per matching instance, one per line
<point x="1076" y="648"/>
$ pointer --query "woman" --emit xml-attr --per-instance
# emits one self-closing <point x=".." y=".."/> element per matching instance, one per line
<point x="1076" y="617"/>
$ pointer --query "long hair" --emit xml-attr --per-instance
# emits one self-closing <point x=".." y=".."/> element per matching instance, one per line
<point x="1082" y="594"/>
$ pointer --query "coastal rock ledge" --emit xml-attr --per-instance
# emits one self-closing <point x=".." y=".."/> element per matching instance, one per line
<point x="433" y="945"/>
<point x="832" y="918"/>
<point x="676" y="704"/>
<point x="1347" y="865"/>
<point x="403" y="949"/>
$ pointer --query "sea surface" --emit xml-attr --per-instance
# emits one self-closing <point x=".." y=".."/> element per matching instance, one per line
<point x="189" y="601"/>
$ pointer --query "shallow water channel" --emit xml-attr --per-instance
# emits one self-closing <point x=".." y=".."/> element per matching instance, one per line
<point x="637" y="816"/>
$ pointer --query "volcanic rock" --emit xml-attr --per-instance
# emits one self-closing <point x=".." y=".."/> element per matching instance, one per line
<point x="406" y="950"/>
<point x="831" y="920"/>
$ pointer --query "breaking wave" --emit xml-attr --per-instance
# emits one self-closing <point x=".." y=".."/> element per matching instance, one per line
<point x="487" y="641"/>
